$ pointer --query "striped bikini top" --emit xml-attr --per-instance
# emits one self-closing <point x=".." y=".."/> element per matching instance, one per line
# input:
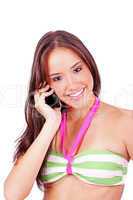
<point x="98" y="167"/>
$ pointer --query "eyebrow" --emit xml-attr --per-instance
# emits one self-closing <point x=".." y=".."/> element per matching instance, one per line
<point x="70" y="68"/>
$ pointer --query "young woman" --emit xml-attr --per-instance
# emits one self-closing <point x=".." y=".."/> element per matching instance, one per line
<point x="75" y="145"/>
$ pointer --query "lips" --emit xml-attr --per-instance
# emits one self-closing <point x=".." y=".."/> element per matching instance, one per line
<point x="77" y="94"/>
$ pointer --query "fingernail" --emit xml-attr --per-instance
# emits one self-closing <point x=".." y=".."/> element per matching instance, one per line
<point x="44" y="82"/>
<point x="40" y="84"/>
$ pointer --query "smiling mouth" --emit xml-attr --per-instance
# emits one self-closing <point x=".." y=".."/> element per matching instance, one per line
<point x="77" y="94"/>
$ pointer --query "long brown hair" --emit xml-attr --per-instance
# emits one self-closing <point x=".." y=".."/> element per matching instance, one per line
<point x="34" y="120"/>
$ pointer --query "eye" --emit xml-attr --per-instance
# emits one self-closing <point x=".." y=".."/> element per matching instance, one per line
<point x="78" y="69"/>
<point x="56" y="78"/>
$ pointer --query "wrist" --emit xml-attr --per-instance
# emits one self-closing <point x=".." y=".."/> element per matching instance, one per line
<point x="51" y="124"/>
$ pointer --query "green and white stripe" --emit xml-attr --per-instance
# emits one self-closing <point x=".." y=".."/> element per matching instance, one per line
<point x="99" y="167"/>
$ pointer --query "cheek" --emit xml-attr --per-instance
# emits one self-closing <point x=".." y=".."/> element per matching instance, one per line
<point x="88" y="79"/>
<point x="91" y="79"/>
<point x="58" y="89"/>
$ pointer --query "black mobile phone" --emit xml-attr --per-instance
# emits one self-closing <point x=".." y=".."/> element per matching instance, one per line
<point x="54" y="101"/>
<point x="51" y="100"/>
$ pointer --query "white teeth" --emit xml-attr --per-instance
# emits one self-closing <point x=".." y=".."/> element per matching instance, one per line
<point x="76" y="94"/>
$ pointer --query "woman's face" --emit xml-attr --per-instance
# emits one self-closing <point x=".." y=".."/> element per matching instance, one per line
<point x="68" y="75"/>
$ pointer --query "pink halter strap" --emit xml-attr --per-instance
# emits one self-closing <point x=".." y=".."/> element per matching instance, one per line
<point x="80" y="134"/>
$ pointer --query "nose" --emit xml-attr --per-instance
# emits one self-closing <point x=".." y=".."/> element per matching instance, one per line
<point x="70" y="80"/>
<point x="71" y="83"/>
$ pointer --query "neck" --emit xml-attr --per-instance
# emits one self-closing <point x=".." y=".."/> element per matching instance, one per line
<point x="74" y="114"/>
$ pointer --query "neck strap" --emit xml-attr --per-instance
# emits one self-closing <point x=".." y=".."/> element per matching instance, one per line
<point x="82" y="131"/>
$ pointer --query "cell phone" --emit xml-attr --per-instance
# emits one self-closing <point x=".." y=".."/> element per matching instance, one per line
<point x="54" y="101"/>
<point x="51" y="100"/>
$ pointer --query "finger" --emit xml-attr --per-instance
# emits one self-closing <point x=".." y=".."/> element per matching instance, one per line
<point x="36" y="96"/>
<point x="42" y="84"/>
<point x="44" y="89"/>
<point x="45" y="94"/>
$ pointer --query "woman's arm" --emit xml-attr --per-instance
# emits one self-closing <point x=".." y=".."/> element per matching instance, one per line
<point x="20" y="180"/>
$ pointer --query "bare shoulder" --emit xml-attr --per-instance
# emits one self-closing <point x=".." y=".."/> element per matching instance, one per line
<point x="119" y="118"/>
<point x="123" y="116"/>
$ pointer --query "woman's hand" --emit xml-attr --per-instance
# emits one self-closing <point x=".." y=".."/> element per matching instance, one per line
<point x="44" y="109"/>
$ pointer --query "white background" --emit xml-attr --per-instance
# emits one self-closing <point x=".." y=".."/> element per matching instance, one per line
<point x="104" y="26"/>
